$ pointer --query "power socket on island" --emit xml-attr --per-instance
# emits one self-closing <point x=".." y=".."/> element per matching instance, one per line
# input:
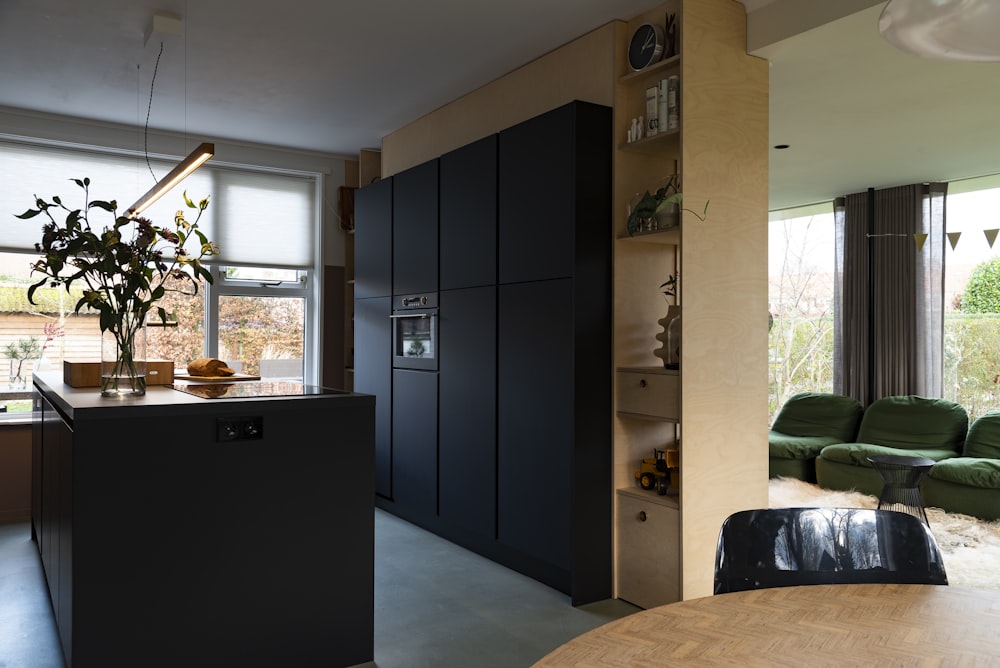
<point x="239" y="428"/>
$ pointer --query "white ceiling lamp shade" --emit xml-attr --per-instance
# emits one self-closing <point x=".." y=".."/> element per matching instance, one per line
<point x="195" y="160"/>
<point x="955" y="30"/>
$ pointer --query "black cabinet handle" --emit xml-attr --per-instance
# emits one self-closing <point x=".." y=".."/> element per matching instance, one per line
<point x="642" y="515"/>
<point x="642" y="382"/>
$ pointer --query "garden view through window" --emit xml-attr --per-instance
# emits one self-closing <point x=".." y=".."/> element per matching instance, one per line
<point x="801" y="299"/>
<point x="257" y="332"/>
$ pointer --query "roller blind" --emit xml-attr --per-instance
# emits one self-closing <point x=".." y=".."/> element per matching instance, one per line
<point x="256" y="217"/>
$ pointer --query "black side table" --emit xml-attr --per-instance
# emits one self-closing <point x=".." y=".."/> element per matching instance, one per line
<point x="901" y="477"/>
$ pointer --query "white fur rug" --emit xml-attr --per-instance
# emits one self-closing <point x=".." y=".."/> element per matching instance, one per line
<point x="970" y="547"/>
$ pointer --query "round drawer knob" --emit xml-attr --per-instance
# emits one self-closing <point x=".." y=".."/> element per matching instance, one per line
<point x="642" y="382"/>
<point x="642" y="515"/>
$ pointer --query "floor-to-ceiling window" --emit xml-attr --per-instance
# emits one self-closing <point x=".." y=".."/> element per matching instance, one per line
<point x="972" y="295"/>
<point x="800" y="302"/>
<point x="801" y="258"/>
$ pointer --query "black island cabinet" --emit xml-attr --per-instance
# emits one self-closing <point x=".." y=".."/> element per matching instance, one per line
<point x="176" y="530"/>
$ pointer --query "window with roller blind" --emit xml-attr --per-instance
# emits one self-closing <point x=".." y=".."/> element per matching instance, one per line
<point x="257" y="314"/>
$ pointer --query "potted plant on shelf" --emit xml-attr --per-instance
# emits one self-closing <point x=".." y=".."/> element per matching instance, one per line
<point x="124" y="270"/>
<point x="660" y="209"/>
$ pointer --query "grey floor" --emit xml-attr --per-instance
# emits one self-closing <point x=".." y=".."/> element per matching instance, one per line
<point x="436" y="605"/>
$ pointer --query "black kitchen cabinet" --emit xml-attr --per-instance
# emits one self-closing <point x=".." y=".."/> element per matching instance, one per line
<point x="373" y="375"/>
<point x="535" y="386"/>
<point x="415" y="229"/>
<point x="467" y="410"/>
<point x="468" y="216"/>
<point x="554" y="180"/>
<point x="171" y="545"/>
<point x="506" y="450"/>
<point x="373" y="240"/>
<point x="414" y="441"/>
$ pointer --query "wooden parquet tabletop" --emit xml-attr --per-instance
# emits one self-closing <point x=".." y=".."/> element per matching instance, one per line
<point x="816" y="625"/>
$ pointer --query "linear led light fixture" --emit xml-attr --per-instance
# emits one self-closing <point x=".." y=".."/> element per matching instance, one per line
<point x="195" y="160"/>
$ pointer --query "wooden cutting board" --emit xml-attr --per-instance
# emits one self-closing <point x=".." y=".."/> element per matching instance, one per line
<point x="216" y="379"/>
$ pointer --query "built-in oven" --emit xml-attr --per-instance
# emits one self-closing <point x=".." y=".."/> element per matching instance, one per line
<point x="414" y="332"/>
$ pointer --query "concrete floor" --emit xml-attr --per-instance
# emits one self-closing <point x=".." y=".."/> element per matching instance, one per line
<point x="436" y="605"/>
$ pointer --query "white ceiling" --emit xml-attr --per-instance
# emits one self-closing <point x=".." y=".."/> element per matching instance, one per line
<point x="335" y="76"/>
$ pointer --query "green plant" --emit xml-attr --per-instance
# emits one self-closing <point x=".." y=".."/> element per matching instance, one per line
<point x="124" y="267"/>
<point x="669" y="286"/>
<point x="22" y="350"/>
<point x="649" y="204"/>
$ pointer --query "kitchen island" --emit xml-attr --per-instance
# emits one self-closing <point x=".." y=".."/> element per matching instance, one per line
<point x="179" y="530"/>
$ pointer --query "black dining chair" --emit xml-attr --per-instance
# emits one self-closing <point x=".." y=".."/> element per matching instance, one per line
<point x="784" y="547"/>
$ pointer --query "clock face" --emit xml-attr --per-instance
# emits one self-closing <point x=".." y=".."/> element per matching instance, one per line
<point x="646" y="46"/>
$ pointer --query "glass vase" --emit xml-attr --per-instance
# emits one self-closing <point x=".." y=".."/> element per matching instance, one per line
<point x="123" y="358"/>
<point x="16" y="379"/>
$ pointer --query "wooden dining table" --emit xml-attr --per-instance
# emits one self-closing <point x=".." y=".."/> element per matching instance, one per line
<point x="812" y="625"/>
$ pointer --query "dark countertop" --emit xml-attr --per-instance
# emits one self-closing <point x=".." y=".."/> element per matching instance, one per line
<point x="161" y="400"/>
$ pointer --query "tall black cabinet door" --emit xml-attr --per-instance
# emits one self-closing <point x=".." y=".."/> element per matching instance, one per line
<point x="373" y="375"/>
<point x="469" y="215"/>
<point x="467" y="410"/>
<point x="535" y="401"/>
<point x="554" y="178"/>
<point x="414" y="441"/>
<point x="415" y="229"/>
<point x="373" y="240"/>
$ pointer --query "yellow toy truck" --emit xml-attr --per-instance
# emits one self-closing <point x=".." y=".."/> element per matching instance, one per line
<point x="655" y="472"/>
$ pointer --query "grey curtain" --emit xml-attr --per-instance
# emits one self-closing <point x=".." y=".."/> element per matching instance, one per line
<point x="889" y="295"/>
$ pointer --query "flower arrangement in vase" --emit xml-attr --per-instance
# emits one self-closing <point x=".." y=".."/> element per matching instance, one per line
<point x="124" y="269"/>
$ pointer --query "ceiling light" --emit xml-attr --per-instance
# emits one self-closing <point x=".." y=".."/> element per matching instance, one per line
<point x="176" y="175"/>
<point x="962" y="30"/>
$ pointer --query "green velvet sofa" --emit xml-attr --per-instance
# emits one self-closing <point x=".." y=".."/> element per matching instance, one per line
<point x="807" y="423"/>
<point x="970" y="483"/>
<point x="908" y="425"/>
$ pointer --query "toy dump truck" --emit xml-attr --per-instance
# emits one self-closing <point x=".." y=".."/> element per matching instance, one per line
<point x="654" y="473"/>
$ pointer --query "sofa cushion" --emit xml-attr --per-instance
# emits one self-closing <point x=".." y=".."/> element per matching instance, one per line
<point x="984" y="437"/>
<point x="819" y="414"/>
<point x="914" y="423"/>
<point x="787" y="446"/>
<point x="857" y="454"/>
<point x="978" y="472"/>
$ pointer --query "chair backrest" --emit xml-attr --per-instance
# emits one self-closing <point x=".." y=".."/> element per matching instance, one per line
<point x="819" y="414"/>
<point x="914" y="423"/>
<point x="783" y="547"/>
<point x="984" y="437"/>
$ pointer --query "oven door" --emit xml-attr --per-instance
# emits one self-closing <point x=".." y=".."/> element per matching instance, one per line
<point x="414" y="335"/>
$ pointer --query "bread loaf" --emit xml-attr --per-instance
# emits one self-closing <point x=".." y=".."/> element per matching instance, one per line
<point x="208" y="366"/>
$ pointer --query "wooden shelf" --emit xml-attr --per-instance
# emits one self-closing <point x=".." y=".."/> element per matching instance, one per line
<point x="671" y="237"/>
<point x="650" y="143"/>
<point x="672" y="63"/>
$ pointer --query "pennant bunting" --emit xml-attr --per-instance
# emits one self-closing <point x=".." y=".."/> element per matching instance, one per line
<point x="953" y="238"/>
<point x="920" y="239"/>
<point x="991" y="236"/>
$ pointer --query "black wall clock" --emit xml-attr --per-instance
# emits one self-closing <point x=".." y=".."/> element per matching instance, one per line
<point x="646" y="46"/>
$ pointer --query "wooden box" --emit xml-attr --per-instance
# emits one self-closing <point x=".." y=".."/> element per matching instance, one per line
<point x="88" y="374"/>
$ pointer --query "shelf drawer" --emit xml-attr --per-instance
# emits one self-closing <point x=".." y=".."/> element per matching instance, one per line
<point x="649" y="392"/>
<point x="648" y="556"/>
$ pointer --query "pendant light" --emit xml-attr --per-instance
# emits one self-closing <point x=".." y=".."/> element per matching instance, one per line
<point x="951" y="30"/>
<point x="169" y="24"/>
<point x="195" y="160"/>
